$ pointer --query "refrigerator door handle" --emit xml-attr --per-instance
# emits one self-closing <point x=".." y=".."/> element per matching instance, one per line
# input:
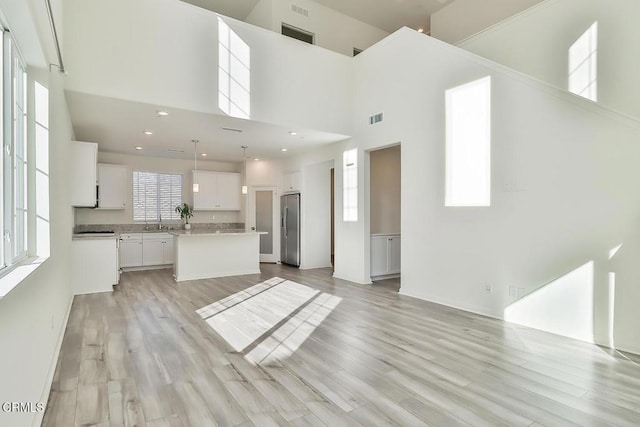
<point x="286" y="214"/>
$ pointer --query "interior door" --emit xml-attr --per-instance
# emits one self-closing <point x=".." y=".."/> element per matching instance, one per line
<point x="263" y="216"/>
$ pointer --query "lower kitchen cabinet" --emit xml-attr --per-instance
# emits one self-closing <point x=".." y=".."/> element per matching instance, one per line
<point x="157" y="249"/>
<point x="146" y="249"/>
<point x="95" y="265"/>
<point x="130" y="250"/>
<point x="385" y="255"/>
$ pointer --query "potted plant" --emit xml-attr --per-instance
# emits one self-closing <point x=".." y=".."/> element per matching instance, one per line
<point x="185" y="212"/>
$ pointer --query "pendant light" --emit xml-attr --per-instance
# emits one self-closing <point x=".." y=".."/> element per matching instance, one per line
<point x="196" y="186"/>
<point x="245" y="189"/>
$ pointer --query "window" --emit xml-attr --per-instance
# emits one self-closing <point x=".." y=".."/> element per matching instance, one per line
<point x="350" y="185"/>
<point x="468" y="151"/>
<point x="234" y="73"/>
<point x="42" y="169"/>
<point x="156" y="195"/>
<point x="14" y="162"/>
<point x="583" y="64"/>
<point x="24" y="168"/>
<point x="297" y="33"/>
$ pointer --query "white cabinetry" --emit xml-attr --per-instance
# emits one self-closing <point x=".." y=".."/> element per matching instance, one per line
<point x="291" y="181"/>
<point x="218" y="191"/>
<point x="157" y="249"/>
<point x="84" y="157"/>
<point x="146" y="249"/>
<point x="385" y="255"/>
<point x="131" y="250"/>
<point x="95" y="264"/>
<point x="112" y="186"/>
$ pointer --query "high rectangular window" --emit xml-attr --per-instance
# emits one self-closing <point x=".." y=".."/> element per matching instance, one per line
<point x="42" y="169"/>
<point x="234" y="73"/>
<point x="583" y="64"/>
<point x="468" y="146"/>
<point x="156" y="195"/>
<point x="350" y="185"/>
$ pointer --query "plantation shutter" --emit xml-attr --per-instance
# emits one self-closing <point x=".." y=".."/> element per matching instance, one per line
<point x="156" y="194"/>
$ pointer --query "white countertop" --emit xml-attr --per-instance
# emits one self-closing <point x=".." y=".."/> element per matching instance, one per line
<point x="204" y="233"/>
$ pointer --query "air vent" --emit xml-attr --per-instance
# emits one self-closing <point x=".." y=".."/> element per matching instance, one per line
<point x="232" y="130"/>
<point x="175" y="150"/>
<point x="299" y="10"/>
<point x="376" y="118"/>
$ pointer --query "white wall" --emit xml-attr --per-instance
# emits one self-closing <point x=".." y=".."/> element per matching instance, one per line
<point x="33" y="315"/>
<point x="385" y="172"/>
<point x="332" y="29"/>
<point x="564" y="177"/>
<point x="557" y="24"/>
<point x="463" y="18"/>
<point x="315" y="242"/>
<point x="165" y="53"/>
<point x="158" y="164"/>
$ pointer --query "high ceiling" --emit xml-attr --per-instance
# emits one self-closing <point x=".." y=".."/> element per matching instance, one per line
<point x="388" y="15"/>
<point x="119" y="125"/>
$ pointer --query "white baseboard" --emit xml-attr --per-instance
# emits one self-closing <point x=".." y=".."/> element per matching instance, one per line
<point x="44" y="396"/>
<point x="442" y="301"/>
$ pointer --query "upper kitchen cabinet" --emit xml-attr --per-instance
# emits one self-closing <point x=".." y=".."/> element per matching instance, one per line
<point x="112" y="186"/>
<point x="84" y="157"/>
<point x="291" y="181"/>
<point x="219" y="191"/>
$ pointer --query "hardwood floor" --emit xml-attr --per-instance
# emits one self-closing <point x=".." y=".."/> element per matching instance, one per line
<point x="328" y="352"/>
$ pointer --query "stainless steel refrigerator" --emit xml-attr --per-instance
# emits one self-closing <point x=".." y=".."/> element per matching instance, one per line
<point x="290" y="229"/>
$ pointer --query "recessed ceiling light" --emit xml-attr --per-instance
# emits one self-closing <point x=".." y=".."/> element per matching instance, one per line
<point x="421" y="30"/>
<point x="138" y="148"/>
<point x="293" y="132"/>
<point x="162" y="113"/>
<point x="148" y="132"/>
<point x="283" y="150"/>
<point x="204" y="154"/>
<point x="256" y="159"/>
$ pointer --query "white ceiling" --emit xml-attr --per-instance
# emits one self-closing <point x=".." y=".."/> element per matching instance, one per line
<point x="118" y="126"/>
<point x="388" y="15"/>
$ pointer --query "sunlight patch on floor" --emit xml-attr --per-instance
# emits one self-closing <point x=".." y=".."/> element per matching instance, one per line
<point x="269" y="320"/>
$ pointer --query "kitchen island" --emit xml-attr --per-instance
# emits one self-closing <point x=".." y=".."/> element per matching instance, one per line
<point x="208" y="254"/>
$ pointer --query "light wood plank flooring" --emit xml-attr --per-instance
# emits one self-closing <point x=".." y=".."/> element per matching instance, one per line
<point x="348" y="355"/>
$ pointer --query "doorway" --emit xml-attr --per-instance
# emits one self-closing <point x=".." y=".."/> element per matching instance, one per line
<point x="263" y="216"/>
<point x="385" y="214"/>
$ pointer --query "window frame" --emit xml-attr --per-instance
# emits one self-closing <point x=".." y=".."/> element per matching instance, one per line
<point x="34" y="190"/>
<point x="15" y="159"/>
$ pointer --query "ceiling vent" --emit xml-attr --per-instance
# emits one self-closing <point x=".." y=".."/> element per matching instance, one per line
<point x="175" y="150"/>
<point x="299" y="10"/>
<point x="232" y="130"/>
<point x="376" y="118"/>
